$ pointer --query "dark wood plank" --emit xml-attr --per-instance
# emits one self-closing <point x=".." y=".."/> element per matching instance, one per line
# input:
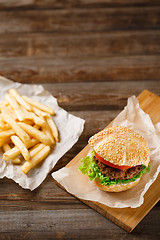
<point x="84" y="45"/>
<point x="98" y="96"/>
<point x="45" y="197"/>
<point x="80" y="20"/>
<point x="25" y="4"/>
<point x="75" y="224"/>
<point x="124" y="68"/>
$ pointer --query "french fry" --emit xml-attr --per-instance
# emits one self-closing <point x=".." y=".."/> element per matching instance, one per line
<point x="15" y="160"/>
<point x="40" y="156"/>
<point x="19" y="99"/>
<point x="11" y="112"/>
<point x="36" y="126"/>
<point x="4" y="141"/>
<point x="37" y="148"/>
<point x="13" y="103"/>
<point x="37" y="120"/>
<point x="14" y="152"/>
<point x="7" y="110"/>
<point x="39" y="112"/>
<point x="3" y="103"/>
<point x="7" y="133"/>
<point x="2" y="123"/>
<point x="28" y="121"/>
<point x="35" y="133"/>
<point x="53" y="127"/>
<point x="26" y="113"/>
<point x="21" y="146"/>
<point x="39" y="105"/>
<point x="6" y="127"/>
<point x="15" y="126"/>
<point x="46" y="129"/>
<point x="32" y="116"/>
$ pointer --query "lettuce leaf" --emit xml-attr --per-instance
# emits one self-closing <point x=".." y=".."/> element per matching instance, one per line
<point x="90" y="168"/>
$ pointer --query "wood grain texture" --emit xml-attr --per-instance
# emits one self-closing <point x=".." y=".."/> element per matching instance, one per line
<point x="84" y="45"/>
<point x="99" y="96"/>
<point x="99" y="69"/>
<point x="128" y="218"/>
<point x="80" y="20"/>
<point x="62" y="226"/>
<point x="79" y="41"/>
<point x="27" y="4"/>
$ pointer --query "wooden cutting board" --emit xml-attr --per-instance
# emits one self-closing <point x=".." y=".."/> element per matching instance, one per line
<point x="128" y="218"/>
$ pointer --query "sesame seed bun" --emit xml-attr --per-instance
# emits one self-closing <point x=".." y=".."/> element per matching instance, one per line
<point x="120" y="187"/>
<point x="121" y="146"/>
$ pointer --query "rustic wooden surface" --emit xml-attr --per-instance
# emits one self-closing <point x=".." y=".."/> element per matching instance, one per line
<point x="92" y="55"/>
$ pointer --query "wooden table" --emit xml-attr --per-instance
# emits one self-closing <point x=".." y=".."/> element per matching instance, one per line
<point x="91" y="55"/>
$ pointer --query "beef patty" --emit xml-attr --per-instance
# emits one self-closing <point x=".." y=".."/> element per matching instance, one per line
<point x="115" y="173"/>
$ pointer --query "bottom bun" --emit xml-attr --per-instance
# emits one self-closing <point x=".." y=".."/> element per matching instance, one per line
<point x="117" y="187"/>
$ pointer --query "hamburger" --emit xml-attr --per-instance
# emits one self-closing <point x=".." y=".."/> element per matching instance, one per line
<point x="118" y="160"/>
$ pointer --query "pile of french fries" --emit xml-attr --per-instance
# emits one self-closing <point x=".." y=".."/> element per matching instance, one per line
<point x="27" y="130"/>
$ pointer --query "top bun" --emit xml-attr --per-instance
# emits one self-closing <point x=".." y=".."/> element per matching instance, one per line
<point x="121" y="146"/>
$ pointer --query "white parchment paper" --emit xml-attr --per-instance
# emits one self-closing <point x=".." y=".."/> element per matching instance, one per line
<point x="69" y="126"/>
<point x="79" y="185"/>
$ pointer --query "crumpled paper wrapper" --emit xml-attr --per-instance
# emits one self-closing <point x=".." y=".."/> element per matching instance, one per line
<point x="79" y="185"/>
<point x="69" y="126"/>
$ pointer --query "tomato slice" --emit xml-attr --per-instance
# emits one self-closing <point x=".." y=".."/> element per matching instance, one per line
<point x="110" y="164"/>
